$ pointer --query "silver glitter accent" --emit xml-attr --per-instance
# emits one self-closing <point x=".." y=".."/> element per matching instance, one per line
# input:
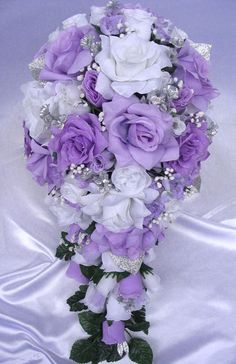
<point x="172" y="91"/>
<point x="123" y="348"/>
<point x="203" y="48"/>
<point x="212" y="129"/>
<point x="88" y="42"/>
<point x="177" y="42"/>
<point x="36" y="66"/>
<point x="45" y="114"/>
<point x="128" y="265"/>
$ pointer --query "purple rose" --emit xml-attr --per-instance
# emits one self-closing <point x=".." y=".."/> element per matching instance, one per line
<point x="65" y="57"/>
<point x="139" y="133"/>
<point x="74" y="272"/>
<point x="114" y="333"/>
<point x="131" y="287"/>
<point x="130" y="243"/>
<point x="101" y="162"/>
<point x="108" y="24"/>
<point x="89" y="85"/>
<point x="193" y="69"/>
<point x="79" y="141"/>
<point x="41" y="165"/>
<point x="193" y="149"/>
<point x="183" y="100"/>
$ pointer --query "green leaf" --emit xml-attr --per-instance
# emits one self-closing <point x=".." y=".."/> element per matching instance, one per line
<point x="74" y="301"/>
<point x="83" y="351"/>
<point x="118" y="275"/>
<point x="91" y="322"/>
<point x="88" y="270"/>
<point x="99" y="273"/>
<point x="65" y="251"/>
<point x="90" y="229"/>
<point x="145" y="269"/>
<point x="138" y="322"/>
<point x="140" y="351"/>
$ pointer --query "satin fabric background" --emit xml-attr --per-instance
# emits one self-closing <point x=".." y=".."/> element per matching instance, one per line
<point x="193" y="317"/>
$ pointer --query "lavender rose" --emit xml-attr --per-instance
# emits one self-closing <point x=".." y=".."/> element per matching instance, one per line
<point x="114" y="333"/>
<point x="65" y="57"/>
<point x="139" y="133"/>
<point x="183" y="100"/>
<point x="41" y="165"/>
<point x="193" y="149"/>
<point x="193" y="69"/>
<point x="88" y="85"/>
<point x="131" y="243"/>
<point x="79" y="141"/>
<point x="131" y="287"/>
<point x="109" y="24"/>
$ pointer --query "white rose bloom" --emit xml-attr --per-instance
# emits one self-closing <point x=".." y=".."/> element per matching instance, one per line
<point x="71" y="191"/>
<point x="131" y="64"/>
<point x="94" y="300"/>
<point x="106" y="285"/>
<point x="152" y="282"/>
<point x="62" y="99"/>
<point x="140" y="22"/>
<point x="78" y="20"/>
<point x="67" y="215"/>
<point x="35" y="97"/>
<point x="116" y="311"/>
<point x="66" y="100"/>
<point x="97" y="13"/>
<point x="124" y="206"/>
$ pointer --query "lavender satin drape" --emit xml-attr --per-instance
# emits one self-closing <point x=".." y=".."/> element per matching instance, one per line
<point x="193" y="316"/>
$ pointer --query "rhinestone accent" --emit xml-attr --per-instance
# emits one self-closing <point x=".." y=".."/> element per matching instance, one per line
<point x="128" y="265"/>
<point x="202" y="48"/>
<point x="123" y="348"/>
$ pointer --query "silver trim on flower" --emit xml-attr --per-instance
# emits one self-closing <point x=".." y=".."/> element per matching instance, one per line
<point x="203" y="48"/>
<point x="129" y="265"/>
<point x="36" y="66"/>
<point x="123" y="348"/>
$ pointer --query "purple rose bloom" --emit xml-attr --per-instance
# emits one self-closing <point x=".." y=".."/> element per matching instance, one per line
<point x="193" y="69"/>
<point x="130" y="243"/>
<point x="183" y="100"/>
<point x="108" y="24"/>
<point x="79" y="141"/>
<point x="41" y="165"/>
<point x="131" y="287"/>
<point x="114" y="333"/>
<point x="193" y="149"/>
<point x="65" y="57"/>
<point x="139" y="133"/>
<point x="74" y="272"/>
<point x="101" y="162"/>
<point x="89" y="85"/>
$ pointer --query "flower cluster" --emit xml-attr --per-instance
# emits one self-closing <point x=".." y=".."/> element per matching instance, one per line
<point x="116" y="126"/>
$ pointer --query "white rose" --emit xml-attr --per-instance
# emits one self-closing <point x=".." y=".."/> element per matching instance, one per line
<point x="35" y="97"/>
<point x="97" y="13"/>
<point x="152" y="282"/>
<point x="66" y="100"/>
<point x="131" y="180"/>
<point x="78" y="20"/>
<point x="106" y="285"/>
<point x="94" y="300"/>
<point x="71" y="191"/>
<point x="120" y="209"/>
<point x="116" y="311"/>
<point x="131" y="64"/>
<point x="140" y="22"/>
<point x="66" y="214"/>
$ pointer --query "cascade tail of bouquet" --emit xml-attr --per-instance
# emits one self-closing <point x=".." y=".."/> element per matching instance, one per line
<point x="116" y="126"/>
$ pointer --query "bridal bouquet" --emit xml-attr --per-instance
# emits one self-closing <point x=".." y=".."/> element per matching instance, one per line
<point x="116" y="127"/>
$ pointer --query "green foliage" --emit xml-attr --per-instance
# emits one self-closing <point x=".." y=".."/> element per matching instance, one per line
<point x="74" y="301"/>
<point x="138" y="322"/>
<point x="145" y="269"/>
<point x="140" y="351"/>
<point x="91" y="322"/>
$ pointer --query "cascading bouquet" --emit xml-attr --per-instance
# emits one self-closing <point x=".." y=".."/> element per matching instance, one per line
<point x="115" y="125"/>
